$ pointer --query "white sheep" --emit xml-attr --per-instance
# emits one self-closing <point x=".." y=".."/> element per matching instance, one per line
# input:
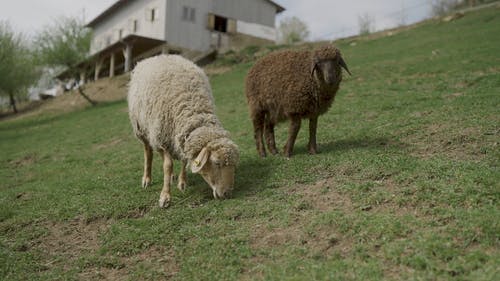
<point x="171" y="109"/>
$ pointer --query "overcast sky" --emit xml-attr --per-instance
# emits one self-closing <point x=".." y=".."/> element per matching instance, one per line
<point x="326" y="19"/>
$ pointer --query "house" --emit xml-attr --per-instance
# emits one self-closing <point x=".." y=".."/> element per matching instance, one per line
<point x="131" y="30"/>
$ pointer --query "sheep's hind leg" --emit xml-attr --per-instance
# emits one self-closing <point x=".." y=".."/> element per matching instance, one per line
<point x="148" y="159"/>
<point x="313" y="125"/>
<point x="293" y="130"/>
<point x="258" y="126"/>
<point x="269" y="133"/>
<point x="181" y="185"/>
<point x="168" y="168"/>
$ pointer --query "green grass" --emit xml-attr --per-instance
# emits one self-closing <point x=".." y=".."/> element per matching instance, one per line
<point x="406" y="185"/>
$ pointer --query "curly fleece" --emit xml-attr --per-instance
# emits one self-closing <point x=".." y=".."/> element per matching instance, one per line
<point x="172" y="108"/>
<point x="281" y="84"/>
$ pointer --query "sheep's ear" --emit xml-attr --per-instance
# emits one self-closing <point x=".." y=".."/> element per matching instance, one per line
<point x="314" y="66"/>
<point x="200" y="161"/>
<point x="344" y="65"/>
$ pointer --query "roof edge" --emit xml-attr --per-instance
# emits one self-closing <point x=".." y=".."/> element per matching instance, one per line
<point x="278" y="6"/>
<point x="106" y="12"/>
<point x="120" y="3"/>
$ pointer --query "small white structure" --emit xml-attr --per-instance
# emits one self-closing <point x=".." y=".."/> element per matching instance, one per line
<point x="131" y="30"/>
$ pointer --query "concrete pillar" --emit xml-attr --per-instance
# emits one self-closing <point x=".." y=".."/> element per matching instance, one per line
<point x="112" y="65"/>
<point x="82" y="77"/>
<point x="164" y="49"/>
<point x="98" y="65"/>
<point x="127" y="53"/>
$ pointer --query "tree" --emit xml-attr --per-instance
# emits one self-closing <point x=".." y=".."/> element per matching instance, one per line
<point x="366" y="24"/>
<point x="17" y="68"/>
<point x="65" y="43"/>
<point x="292" y="30"/>
<point x="443" y="7"/>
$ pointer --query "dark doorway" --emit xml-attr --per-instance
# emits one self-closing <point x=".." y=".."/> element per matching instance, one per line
<point x="220" y="24"/>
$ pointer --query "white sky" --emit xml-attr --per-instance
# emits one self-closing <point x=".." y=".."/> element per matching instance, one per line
<point x="326" y="19"/>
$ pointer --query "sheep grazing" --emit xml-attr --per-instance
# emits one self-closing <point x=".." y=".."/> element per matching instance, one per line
<point x="171" y="109"/>
<point x="292" y="85"/>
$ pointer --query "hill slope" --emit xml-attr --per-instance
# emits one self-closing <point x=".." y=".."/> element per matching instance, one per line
<point x="405" y="185"/>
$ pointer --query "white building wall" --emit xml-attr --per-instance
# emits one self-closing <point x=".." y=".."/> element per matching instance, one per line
<point x="257" y="30"/>
<point x="253" y="17"/>
<point x="251" y="11"/>
<point x="107" y="32"/>
<point x="184" y="33"/>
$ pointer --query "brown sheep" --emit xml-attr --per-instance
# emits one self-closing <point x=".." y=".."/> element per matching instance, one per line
<point x="292" y="85"/>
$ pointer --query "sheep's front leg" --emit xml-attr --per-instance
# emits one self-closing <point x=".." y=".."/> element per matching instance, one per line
<point x="168" y="169"/>
<point x="313" y="125"/>
<point x="269" y="133"/>
<point x="258" y="127"/>
<point x="293" y="130"/>
<point x="148" y="159"/>
<point x="181" y="185"/>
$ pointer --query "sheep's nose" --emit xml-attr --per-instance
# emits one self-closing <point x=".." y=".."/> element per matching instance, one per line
<point x="227" y="194"/>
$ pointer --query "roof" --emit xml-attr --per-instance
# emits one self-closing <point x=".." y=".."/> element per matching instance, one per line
<point x="279" y="7"/>
<point x="118" y="4"/>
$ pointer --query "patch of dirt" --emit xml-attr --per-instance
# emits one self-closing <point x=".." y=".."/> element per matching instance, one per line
<point x="159" y="257"/>
<point x="267" y="237"/>
<point x="453" y="96"/>
<point x="443" y="139"/>
<point x="26" y="160"/>
<point x="66" y="242"/>
<point x="104" y="273"/>
<point x="109" y="143"/>
<point x="216" y="70"/>
<point x="154" y="258"/>
<point x="103" y="90"/>
<point x="74" y="237"/>
<point x="323" y="240"/>
<point x="323" y="196"/>
<point x="137" y="212"/>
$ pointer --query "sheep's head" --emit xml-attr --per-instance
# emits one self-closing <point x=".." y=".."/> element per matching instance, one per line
<point x="326" y="63"/>
<point x="216" y="163"/>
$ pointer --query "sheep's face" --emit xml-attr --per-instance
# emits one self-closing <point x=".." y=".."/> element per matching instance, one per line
<point x="327" y="63"/>
<point x="217" y="171"/>
<point x="328" y="71"/>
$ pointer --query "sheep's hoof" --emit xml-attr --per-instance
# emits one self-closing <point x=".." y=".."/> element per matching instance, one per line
<point x="312" y="149"/>
<point x="146" y="181"/>
<point x="181" y="186"/>
<point x="287" y="154"/>
<point x="164" y="203"/>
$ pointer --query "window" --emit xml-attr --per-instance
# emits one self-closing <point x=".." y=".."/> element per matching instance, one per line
<point x="188" y="14"/>
<point x="152" y="14"/>
<point x="192" y="15"/>
<point x="135" y="25"/>
<point x="120" y="34"/>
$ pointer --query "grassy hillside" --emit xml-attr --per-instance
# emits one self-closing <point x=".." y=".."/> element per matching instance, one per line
<point x="406" y="184"/>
